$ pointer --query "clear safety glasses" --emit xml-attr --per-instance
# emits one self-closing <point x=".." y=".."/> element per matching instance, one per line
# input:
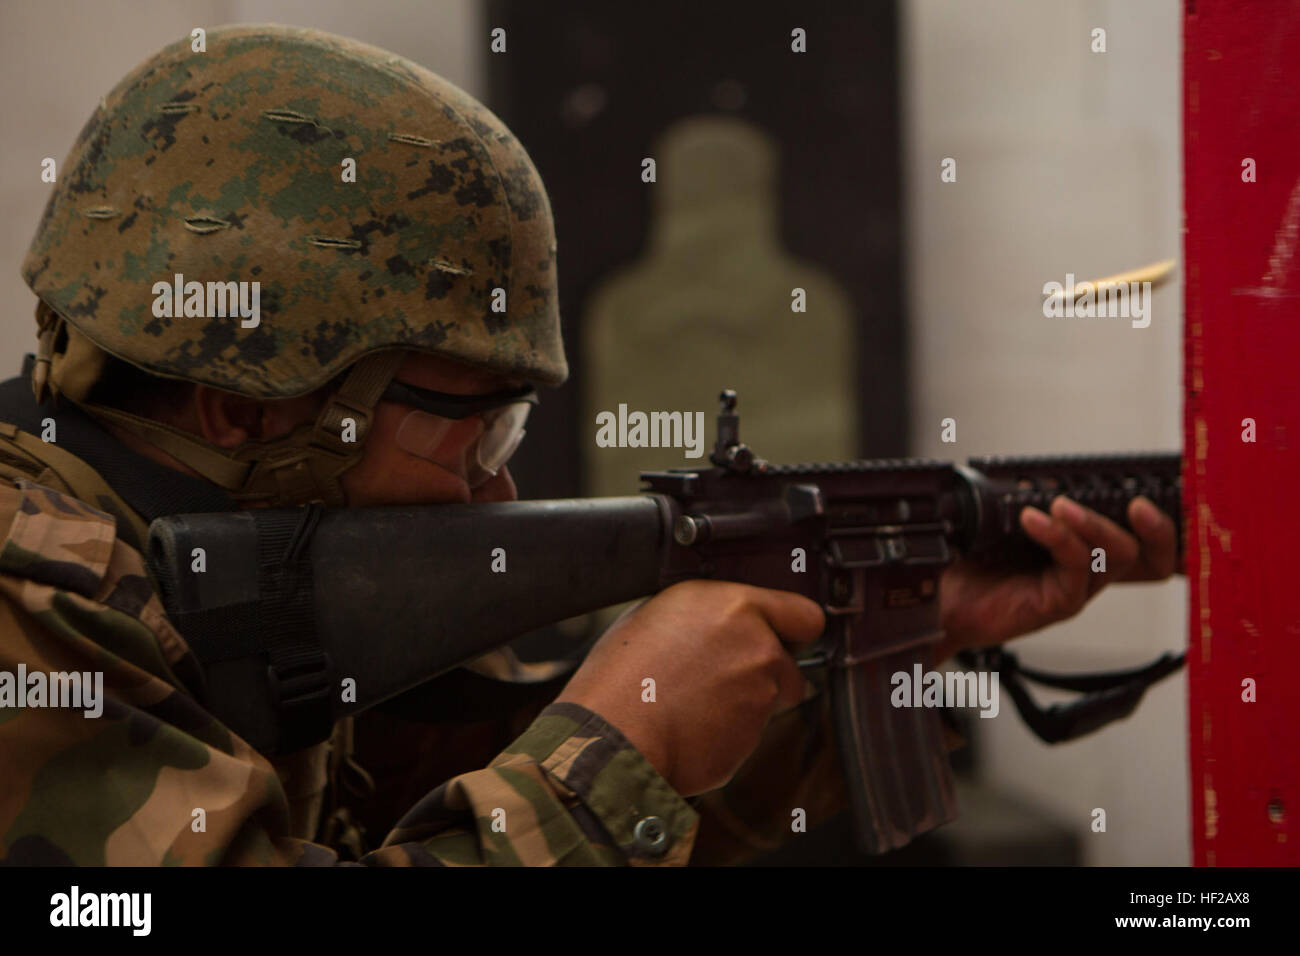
<point x="472" y="436"/>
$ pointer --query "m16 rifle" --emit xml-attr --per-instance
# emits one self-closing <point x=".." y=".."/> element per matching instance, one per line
<point x="293" y="602"/>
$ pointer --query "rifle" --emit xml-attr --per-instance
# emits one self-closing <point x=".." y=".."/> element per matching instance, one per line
<point x="290" y="604"/>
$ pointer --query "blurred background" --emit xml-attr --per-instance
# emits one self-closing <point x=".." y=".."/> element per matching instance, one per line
<point x="818" y="171"/>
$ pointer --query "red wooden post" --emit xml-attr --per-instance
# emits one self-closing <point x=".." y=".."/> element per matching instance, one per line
<point x="1242" y="499"/>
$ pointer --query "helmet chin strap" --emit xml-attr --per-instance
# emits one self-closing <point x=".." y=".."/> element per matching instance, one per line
<point x="304" y="466"/>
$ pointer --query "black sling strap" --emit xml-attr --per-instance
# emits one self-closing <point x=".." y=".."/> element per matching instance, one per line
<point x="1106" y="697"/>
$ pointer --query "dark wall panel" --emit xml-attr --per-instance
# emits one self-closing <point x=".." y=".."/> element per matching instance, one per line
<point x="588" y="87"/>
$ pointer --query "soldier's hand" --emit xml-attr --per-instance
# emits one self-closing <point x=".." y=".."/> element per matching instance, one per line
<point x="981" y="606"/>
<point x="716" y="652"/>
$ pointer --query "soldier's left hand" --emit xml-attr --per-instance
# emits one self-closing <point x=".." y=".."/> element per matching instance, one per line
<point x="980" y="607"/>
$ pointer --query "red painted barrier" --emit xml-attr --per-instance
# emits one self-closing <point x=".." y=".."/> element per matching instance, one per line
<point x="1241" y="112"/>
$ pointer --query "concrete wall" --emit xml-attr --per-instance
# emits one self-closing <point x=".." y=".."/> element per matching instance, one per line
<point x="1067" y="161"/>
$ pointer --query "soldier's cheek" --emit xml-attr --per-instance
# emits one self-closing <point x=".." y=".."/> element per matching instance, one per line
<point x="393" y="477"/>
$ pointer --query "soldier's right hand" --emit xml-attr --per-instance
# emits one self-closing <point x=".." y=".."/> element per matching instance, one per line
<point x="716" y="652"/>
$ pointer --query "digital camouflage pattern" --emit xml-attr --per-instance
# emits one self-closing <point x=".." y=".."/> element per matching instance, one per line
<point x="121" y="789"/>
<point x="226" y="166"/>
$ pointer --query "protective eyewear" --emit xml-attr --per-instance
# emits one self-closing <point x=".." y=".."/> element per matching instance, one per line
<point x="472" y="436"/>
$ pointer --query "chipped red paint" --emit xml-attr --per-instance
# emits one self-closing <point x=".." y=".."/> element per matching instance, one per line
<point x="1241" y="86"/>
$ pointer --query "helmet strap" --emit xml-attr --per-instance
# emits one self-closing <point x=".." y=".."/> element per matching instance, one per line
<point x="298" y="468"/>
<point x="47" y="328"/>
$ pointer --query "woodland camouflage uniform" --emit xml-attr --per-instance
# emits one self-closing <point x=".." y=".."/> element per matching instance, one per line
<point x="224" y="166"/>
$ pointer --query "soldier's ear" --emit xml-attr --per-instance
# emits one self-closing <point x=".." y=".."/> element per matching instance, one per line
<point x="227" y="420"/>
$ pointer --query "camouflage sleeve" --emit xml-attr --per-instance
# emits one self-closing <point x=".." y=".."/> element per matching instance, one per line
<point x="569" y="790"/>
<point x="139" y="773"/>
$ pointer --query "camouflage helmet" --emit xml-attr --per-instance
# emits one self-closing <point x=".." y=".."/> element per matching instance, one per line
<point x="376" y="206"/>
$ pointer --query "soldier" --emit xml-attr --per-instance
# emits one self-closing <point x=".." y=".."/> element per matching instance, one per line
<point x="380" y="211"/>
